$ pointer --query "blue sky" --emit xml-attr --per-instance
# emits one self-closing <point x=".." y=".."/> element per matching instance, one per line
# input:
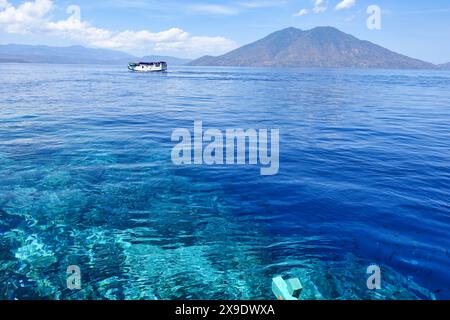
<point x="417" y="28"/>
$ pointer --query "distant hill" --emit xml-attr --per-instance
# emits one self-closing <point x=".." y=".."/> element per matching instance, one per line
<point x="320" y="47"/>
<point x="11" y="60"/>
<point x="73" y="55"/>
<point x="172" y="61"/>
<point x="445" y="66"/>
<point x="70" y="55"/>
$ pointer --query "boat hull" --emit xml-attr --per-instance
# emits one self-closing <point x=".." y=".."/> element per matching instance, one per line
<point x="148" y="67"/>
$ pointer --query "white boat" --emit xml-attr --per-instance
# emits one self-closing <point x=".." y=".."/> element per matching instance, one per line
<point x="148" y="66"/>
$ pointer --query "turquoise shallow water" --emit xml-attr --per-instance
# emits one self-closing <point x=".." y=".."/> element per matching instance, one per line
<point x="87" y="180"/>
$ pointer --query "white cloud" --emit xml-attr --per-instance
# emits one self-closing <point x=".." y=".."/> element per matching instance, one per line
<point x="301" y="13"/>
<point x="214" y="9"/>
<point x="24" y="18"/>
<point x="345" y="4"/>
<point x="235" y="8"/>
<point x="4" y="4"/>
<point x="35" y="18"/>
<point x="318" y="3"/>
<point x="261" y="4"/>
<point x="319" y="7"/>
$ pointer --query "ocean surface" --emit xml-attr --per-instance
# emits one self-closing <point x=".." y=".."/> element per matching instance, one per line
<point x="86" y="179"/>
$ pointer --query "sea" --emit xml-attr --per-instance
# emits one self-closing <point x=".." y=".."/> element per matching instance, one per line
<point x="87" y="183"/>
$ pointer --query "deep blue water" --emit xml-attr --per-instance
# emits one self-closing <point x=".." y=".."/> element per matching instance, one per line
<point x="86" y="179"/>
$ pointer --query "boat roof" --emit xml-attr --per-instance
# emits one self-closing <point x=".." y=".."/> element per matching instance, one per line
<point x="148" y="63"/>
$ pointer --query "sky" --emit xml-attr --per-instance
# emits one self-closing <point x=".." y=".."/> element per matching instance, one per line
<point x="192" y="28"/>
